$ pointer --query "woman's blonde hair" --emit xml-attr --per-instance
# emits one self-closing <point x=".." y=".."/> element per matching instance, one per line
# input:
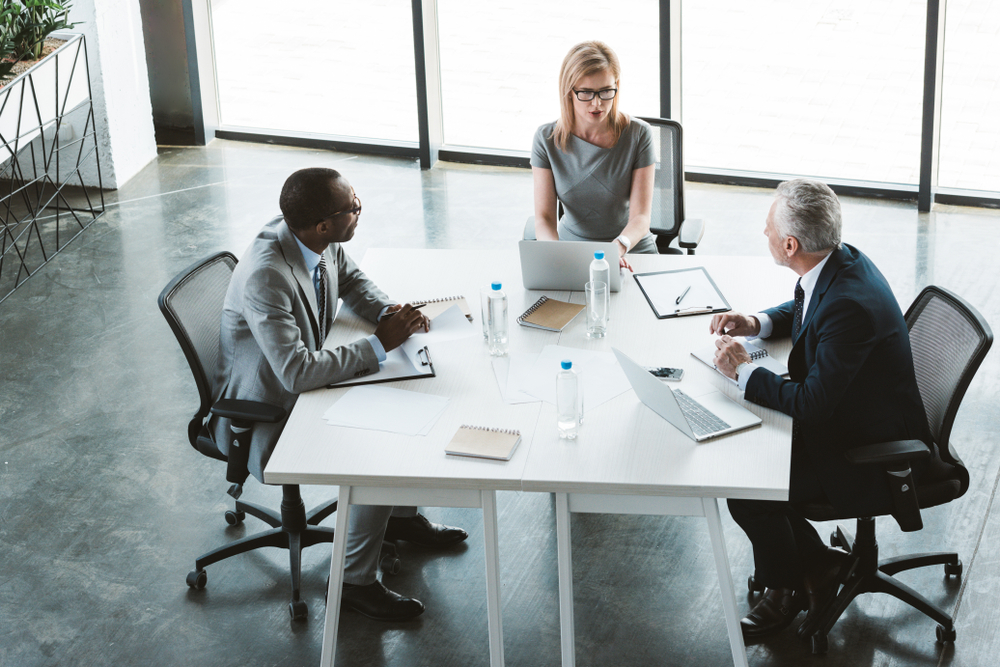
<point x="584" y="59"/>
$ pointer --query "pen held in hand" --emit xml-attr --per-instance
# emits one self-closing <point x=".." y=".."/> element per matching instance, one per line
<point x="416" y="307"/>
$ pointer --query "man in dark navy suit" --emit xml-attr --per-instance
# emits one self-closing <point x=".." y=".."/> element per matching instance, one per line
<point x="851" y="382"/>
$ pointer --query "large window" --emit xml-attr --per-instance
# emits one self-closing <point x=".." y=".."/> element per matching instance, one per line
<point x="829" y="89"/>
<point x="500" y="63"/>
<point x="970" y="104"/>
<point x="316" y="66"/>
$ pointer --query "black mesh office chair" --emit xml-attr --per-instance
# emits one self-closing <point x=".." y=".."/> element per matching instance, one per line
<point x="192" y="304"/>
<point x="667" y="220"/>
<point x="949" y="339"/>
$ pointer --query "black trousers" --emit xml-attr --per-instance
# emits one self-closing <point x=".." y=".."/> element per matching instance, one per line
<point x="783" y="540"/>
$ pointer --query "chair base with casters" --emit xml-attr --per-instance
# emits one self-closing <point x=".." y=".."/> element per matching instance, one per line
<point x="293" y="529"/>
<point x="870" y="575"/>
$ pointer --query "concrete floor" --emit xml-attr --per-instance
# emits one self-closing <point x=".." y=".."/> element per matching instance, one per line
<point x="104" y="506"/>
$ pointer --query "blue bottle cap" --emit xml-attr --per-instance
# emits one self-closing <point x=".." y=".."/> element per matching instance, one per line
<point x="598" y="255"/>
<point x="496" y="286"/>
<point x="566" y="364"/>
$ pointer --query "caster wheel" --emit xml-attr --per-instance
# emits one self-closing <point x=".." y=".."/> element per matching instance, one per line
<point x="819" y="644"/>
<point x="389" y="564"/>
<point x="298" y="610"/>
<point x="197" y="579"/>
<point x="953" y="569"/>
<point x="753" y="586"/>
<point x="944" y="635"/>
<point x="235" y="518"/>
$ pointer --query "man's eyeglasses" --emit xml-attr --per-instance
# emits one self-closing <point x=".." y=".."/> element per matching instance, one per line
<point x="588" y="95"/>
<point x="356" y="208"/>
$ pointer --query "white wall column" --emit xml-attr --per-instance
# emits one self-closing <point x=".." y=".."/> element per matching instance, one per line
<point x="119" y="85"/>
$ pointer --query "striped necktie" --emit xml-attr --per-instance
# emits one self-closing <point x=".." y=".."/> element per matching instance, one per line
<point x="322" y="287"/>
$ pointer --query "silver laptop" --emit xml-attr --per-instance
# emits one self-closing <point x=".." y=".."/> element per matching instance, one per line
<point x="702" y="414"/>
<point x="565" y="265"/>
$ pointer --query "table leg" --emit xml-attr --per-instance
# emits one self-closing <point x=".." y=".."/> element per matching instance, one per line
<point x="567" y="629"/>
<point x="492" y="556"/>
<point x="711" y="507"/>
<point x="336" y="578"/>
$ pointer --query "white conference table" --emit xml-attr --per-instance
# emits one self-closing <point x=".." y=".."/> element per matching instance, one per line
<point x="626" y="459"/>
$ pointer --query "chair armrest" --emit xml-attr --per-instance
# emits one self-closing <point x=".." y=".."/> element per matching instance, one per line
<point x="896" y="451"/>
<point x="896" y="456"/>
<point x="248" y="411"/>
<point x="690" y="233"/>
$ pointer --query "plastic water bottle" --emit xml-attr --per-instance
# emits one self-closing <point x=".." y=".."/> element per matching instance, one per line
<point x="600" y="271"/>
<point x="499" y="343"/>
<point x="569" y="403"/>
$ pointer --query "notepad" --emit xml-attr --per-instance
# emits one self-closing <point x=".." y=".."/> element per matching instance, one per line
<point x="550" y="314"/>
<point x="484" y="442"/>
<point x="434" y="307"/>
<point x="757" y="354"/>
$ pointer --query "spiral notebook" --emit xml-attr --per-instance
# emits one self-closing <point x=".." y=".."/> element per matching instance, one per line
<point x="550" y="314"/>
<point x="757" y="354"/>
<point x="483" y="442"/>
<point x="434" y="307"/>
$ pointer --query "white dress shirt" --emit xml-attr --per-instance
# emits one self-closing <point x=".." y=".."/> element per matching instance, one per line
<point x="808" y="284"/>
<point x="312" y="262"/>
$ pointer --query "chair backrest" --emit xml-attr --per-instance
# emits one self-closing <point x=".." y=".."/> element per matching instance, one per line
<point x="949" y="339"/>
<point x="668" y="186"/>
<point x="192" y="304"/>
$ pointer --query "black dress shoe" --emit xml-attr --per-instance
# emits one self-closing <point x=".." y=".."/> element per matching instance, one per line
<point x="821" y="581"/>
<point x="378" y="602"/>
<point x="775" y="612"/>
<point x="419" y="530"/>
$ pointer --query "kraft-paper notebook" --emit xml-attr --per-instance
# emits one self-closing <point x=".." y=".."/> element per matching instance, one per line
<point x="757" y="354"/>
<point x="550" y="314"/>
<point x="483" y="442"/>
<point x="434" y="307"/>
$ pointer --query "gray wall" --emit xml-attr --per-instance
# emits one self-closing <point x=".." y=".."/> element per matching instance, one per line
<point x="166" y="62"/>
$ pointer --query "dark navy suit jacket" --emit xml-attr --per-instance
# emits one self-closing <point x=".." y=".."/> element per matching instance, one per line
<point x="851" y="383"/>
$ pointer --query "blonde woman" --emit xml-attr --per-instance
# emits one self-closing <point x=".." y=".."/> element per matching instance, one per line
<point x="595" y="160"/>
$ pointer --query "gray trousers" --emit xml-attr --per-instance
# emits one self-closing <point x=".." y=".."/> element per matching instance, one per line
<point x="364" y="540"/>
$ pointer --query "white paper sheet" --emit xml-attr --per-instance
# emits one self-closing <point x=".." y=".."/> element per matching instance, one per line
<point x="663" y="289"/>
<point x="378" y="408"/>
<point x="601" y="376"/>
<point x="501" y="370"/>
<point x="449" y="325"/>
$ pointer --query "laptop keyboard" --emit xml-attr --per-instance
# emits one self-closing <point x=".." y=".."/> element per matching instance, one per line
<point x="701" y="421"/>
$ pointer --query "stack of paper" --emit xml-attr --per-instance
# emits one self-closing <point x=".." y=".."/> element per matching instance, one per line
<point x="532" y="377"/>
<point x="386" y="409"/>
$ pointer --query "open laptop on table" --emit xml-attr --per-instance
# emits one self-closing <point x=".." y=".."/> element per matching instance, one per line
<point x="704" y="414"/>
<point x="565" y="265"/>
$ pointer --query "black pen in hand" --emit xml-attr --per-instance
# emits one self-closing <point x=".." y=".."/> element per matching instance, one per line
<point x="416" y="307"/>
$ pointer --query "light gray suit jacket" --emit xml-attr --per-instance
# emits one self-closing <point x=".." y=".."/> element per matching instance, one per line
<point x="270" y="328"/>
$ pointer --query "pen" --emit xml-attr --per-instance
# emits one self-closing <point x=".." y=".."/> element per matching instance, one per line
<point x="416" y="307"/>
<point x="683" y="294"/>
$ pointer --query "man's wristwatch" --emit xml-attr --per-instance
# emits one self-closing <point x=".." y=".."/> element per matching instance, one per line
<point x="624" y="241"/>
<point x="739" y="369"/>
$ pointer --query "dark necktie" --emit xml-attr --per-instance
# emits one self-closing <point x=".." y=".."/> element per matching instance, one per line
<point x="321" y="283"/>
<point x="800" y="299"/>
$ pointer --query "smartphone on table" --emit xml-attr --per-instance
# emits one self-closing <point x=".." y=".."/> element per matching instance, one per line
<point x="666" y="373"/>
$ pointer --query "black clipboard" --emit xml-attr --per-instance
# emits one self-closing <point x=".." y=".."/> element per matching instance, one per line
<point x="718" y="302"/>
<point x="425" y="370"/>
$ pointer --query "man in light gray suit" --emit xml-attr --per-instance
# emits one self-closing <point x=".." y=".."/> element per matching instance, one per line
<point x="279" y="307"/>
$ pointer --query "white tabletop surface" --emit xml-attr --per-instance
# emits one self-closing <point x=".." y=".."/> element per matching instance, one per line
<point x="623" y="448"/>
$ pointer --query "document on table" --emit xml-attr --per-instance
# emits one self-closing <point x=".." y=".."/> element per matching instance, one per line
<point x="681" y="292"/>
<point x="600" y="375"/>
<point x="387" y="409"/>
<point x="448" y="326"/>
<point x="501" y="370"/>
